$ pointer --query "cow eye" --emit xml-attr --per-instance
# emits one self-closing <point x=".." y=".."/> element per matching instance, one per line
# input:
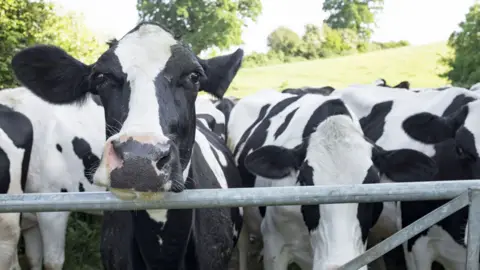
<point x="99" y="79"/>
<point x="194" y="77"/>
<point x="464" y="154"/>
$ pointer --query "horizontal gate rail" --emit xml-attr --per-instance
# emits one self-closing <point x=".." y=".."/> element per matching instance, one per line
<point x="201" y="198"/>
<point x="408" y="232"/>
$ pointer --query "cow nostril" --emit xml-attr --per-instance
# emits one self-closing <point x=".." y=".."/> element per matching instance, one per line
<point x="163" y="155"/>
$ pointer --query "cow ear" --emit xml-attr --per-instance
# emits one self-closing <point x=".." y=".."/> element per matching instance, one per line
<point x="220" y="72"/>
<point x="404" y="165"/>
<point x="51" y="73"/>
<point x="430" y="129"/>
<point x="271" y="161"/>
<point x="403" y="85"/>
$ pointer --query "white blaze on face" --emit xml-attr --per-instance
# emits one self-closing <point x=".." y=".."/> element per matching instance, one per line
<point x="142" y="54"/>
<point x="336" y="142"/>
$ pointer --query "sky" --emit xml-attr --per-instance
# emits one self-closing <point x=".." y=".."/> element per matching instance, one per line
<point x="418" y="21"/>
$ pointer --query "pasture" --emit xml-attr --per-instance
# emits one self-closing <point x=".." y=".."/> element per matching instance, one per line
<point x="417" y="64"/>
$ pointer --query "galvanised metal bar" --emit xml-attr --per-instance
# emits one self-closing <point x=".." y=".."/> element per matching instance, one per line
<point x="211" y="198"/>
<point x="408" y="232"/>
<point x="473" y="240"/>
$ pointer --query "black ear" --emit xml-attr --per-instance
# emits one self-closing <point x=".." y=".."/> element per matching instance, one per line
<point x="430" y="129"/>
<point x="51" y="73"/>
<point x="404" y="85"/>
<point x="274" y="162"/>
<point x="220" y="72"/>
<point x="404" y="165"/>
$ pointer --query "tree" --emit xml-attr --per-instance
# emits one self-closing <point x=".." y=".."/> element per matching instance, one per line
<point x="202" y="23"/>
<point x="357" y="15"/>
<point x="24" y="23"/>
<point x="464" y="64"/>
<point x="284" y="40"/>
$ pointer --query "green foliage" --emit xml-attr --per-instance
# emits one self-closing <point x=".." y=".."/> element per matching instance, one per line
<point x="284" y="40"/>
<point x="202" y="23"/>
<point x="24" y="23"/>
<point x="286" y="46"/>
<point x="357" y="15"/>
<point x="464" y="63"/>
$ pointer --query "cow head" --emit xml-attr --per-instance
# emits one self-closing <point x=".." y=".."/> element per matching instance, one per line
<point x="337" y="153"/>
<point x="147" y="82"/>
<point x="456" y="139"/>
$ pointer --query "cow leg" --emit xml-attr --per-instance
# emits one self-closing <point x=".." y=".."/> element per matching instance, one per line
<point x="422" y="254"/>
<point x="9" y="236"/>
<point x="242" y="245"/>
<point x="53" y="227"/>
<point x="33" y="240"/>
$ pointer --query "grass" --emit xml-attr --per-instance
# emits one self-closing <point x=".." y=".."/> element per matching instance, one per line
<point x="418" y="64"/>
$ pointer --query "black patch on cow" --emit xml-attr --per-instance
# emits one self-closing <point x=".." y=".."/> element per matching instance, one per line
<point x="63" y="190"/>
<point x="285" y="123"/>
<point x="430" y="129"/>
<point x="217" y="128"/>
<point x="4" y="172"/>
<point x="84" y="152"/>
<point x="246" y="134"/>
<point x="310" y="213"/>
<point x="80" y="187"/>
<point x="457" y="103"/>
<point x="59" y="148"/>
<point x="20" y="131"/>
<point x="368" y="213"/>
<point x="374" y="123"/>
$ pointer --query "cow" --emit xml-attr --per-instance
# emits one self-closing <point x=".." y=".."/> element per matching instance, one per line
<point x="147" y="82"/>
<point x="326" y="90"/>
<point x="16" y="139"/>
<point x="67" y="142"/>
<point x="212" y="117"/>
<point x="281" y="139"/>
<point x="383" y="83"/>
<point x="441" y="124"/>
<point x="225" y="105"/>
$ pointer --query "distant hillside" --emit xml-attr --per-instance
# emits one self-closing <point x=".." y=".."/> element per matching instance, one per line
<point x="418" y="64"/>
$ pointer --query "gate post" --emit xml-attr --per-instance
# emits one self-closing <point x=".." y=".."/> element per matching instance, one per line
<point x="473" y="242"/>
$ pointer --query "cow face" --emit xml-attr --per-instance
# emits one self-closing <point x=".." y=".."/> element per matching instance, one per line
<point x="337" y="153"/>
<point x="455" y="138"/>
<point x="147" y="82"/>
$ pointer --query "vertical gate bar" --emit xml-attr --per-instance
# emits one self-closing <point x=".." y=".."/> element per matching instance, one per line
<point x="473" y="242"/>
<point x="408" y="232"/>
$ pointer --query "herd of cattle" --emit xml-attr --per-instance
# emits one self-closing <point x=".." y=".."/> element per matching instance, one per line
<point x="132" y="123"/>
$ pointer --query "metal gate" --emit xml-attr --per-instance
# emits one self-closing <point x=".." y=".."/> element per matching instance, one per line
<point x="461" y="193"/>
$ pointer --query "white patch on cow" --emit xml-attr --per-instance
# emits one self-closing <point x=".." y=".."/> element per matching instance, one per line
<point x="471" y="122"/>
<point x="51" y="170"/>
<point x="10" y="222"/>
<point x="159" y="215"/>
<point x="142" y="54"/>
<point x="336" y="142"/>
<point x="475" y="87"/>
<point x="437" y="245"/>
<point x="207" y="153"/>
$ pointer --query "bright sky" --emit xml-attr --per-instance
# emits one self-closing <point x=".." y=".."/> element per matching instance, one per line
<point x="418" y="21"/>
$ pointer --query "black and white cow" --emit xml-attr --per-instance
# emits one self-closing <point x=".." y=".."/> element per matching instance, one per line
<point x="326" y="90"/>
<point x="67" y="143"/>
<point x="383" y="83"/>
<point x="444" y="126"/>
<point x="225" y="105"/>
<point x="212" y="117"/>
<point x="282" y="139"/>
<point x="16" y="138"/>
<point x="147" y="82"/>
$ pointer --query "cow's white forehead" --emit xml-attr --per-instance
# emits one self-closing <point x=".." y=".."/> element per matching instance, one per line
<point x="145" y="50"/>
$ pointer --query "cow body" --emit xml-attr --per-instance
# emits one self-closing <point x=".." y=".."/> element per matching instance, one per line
<point x="441" y="124"/>
<point x="66" y="149"/>
<point x="325" y="91"/>
<point x="148" y="83"/>
<point x="383" y="83"/>
<point x="306" y="140"/>
<point x="16" y="138"/>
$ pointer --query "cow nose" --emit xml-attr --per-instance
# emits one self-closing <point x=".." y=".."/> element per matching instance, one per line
<point x="158" y="153"/>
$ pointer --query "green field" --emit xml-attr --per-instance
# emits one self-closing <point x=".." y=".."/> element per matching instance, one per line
<point x="417" y="64"/>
